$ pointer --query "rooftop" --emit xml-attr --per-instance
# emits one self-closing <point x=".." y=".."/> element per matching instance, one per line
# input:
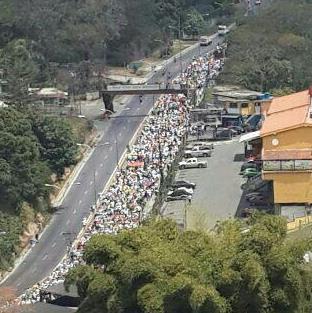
<point x="226" y="93"/>
<point x="287" y="112"/>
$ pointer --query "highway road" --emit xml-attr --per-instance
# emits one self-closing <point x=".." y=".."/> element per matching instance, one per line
<point x="48" y="252"/>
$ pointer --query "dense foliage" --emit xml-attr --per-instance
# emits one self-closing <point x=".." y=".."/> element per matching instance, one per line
<point x="31" y="149"/>
<point x="77" y="30"/>
<point x="157" y="269"/>
<point x="272" y="51"/>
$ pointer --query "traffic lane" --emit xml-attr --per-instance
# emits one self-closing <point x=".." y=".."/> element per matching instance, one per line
<point x="50" y="249"/>
<point x="52" y="245"/>
<point x="41" y="260"/>
<point x="217" y="193"/>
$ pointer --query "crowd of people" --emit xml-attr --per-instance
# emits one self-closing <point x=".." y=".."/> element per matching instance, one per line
<point x="138" y="180"/>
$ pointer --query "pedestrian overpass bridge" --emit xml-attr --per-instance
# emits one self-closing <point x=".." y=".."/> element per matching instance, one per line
<point x="162" y="88"/>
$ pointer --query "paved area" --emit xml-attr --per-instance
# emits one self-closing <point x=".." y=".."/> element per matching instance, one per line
<point x="217" y="194"/>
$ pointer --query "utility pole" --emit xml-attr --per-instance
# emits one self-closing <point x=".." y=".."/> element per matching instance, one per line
<point x="180" y="44"/>
<point x="117" y="152"/>
<point x="94" y="183"/>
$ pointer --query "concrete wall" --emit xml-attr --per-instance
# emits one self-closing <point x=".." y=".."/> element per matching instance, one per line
<point x="291" y="187"/>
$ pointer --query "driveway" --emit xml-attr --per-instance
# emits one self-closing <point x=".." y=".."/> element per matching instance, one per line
<point x="217" y="194"/>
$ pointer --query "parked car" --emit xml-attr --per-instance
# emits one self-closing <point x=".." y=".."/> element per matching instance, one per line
<point x="207" y="145"/>
<point x="247" y="212"/>
<point x="223" y="134"/>
<point x="183" y="183"/>
<point x="250" y="164"/>
<point x="205" y="41"/>
<point x="258" y="201"/>
<point x="253" y="194"/>
<point x="192" y="163"/>
<point x="180" y="197"/>
<point x="180" y="191"/>
<point x="197" y="152"/>
<point x="236" y="130"/>
<point x="250" y="172"/>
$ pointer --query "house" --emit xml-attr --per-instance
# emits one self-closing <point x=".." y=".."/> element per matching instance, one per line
<point x="49" y="97"/>
<point x="286" y="135"/>
<point x="236" y="100"/>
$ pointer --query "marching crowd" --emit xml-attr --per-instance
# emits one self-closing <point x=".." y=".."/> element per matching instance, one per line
<point x="122" y="206"/>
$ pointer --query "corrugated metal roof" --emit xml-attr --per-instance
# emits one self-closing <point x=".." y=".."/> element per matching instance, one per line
<point x="250" y="136"/>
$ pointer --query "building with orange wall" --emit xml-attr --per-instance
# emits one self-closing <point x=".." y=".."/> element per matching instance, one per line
<point x="286" y="135"/>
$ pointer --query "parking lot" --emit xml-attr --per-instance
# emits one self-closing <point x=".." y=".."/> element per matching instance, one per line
<point x="217" y="194"/>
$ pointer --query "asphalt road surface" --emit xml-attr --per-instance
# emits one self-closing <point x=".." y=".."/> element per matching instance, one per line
<point x="217" y="194"/>
<point x="48" y="252"/>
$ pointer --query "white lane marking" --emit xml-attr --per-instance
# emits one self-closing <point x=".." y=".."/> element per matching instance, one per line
<point x="86" y="192"/>
<point x="75" y="211"/>
<point x="125" y="127"/>
<point x="68" y="221"/>
<point x="18" y="284"/>
<point x="138" y="109"/>
<point x="45" y="257"/>
<point x="80" y="201"/>
<point x="91" y="182"/>
<point x="110" y="148"/>
<point x="101" y="165"/>
<point x="54" y="244"/>
<point x="96" y="173"/>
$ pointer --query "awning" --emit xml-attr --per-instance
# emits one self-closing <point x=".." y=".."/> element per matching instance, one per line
<point x="250" y="136"/>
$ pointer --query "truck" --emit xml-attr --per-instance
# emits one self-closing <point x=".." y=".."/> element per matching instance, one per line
<point x="223" y="30"/>
<point x="192" y="163"/>
<point x="197" y="152"/>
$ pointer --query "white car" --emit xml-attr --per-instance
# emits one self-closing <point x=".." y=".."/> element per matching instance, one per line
<point x="197" y="152"/>
<point x="205" y="41"/>
<point x="192" y="163"/>
<point x="258" y="2"/>
<point x="200" y="144"/>
<point x="189" y="191"/>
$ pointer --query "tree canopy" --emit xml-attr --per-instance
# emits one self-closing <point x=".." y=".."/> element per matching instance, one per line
<point x="270" y="51"/>
<point x="76" y="30"/>
<point x="157" y="268"/>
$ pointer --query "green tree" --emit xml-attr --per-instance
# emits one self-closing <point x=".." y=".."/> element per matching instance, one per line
<point x="19" y="69"/>
<point x="57" y="143"/>
<point x="157" y="269"/>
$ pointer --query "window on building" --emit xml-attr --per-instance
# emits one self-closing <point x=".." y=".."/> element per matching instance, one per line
<point x="244" y="105"/>
<point x="288" y="165"/>
<point x="303" y="165"/>
<point x="233" y="106"/>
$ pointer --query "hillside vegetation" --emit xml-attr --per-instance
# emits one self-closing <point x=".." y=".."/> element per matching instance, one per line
<point x="115" y="30"/>
<point x="32" y="147"/>
<point x="272" y="51"/>
<point x="159" y="269"/>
